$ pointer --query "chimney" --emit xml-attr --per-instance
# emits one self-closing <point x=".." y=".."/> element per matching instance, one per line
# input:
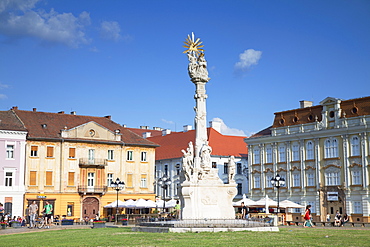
<point x="61" y="112"/>
<point x="124" y="125"/>
<point x="144" y="127"/>
<point x="14" y="108"/>
<point x="215" y="125"/>
<point x="305" y="103"/>
<point x="166" y="132"/>
<point x="147" y="134"/>
<point x="187" y="128"/>
<point x="73" y="113"/>
<point x="108" y="116"/>
<point x="157" y="128"/>
<point x="34" y="109"/>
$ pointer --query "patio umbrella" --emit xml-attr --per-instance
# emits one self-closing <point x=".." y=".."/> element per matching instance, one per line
<point x="265" y="202"/>
<point x="129" y="204"/>
<point x="141" y="203"/>
<point x="247" y="202"/>
<point x="114" y="204"/>
<point x="169" y="204"/>
<point x="290" y="204"/>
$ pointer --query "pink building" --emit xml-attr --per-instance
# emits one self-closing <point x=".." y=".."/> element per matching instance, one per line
<point x="12" y="162"/>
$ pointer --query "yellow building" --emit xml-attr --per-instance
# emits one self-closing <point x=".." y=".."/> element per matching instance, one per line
<point x="71" y="161"/>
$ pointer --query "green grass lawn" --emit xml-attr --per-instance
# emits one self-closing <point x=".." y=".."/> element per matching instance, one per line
<point x="124" y="237"/>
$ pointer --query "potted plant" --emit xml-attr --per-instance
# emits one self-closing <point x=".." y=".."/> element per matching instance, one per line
<point x="124" y="222"/>
<point x="3" y="225"/>
<point x="15" y="223"/>
<point x="98" y="224"/>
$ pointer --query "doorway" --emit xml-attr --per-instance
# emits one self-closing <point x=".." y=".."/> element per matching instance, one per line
<point x="90" y="207"/>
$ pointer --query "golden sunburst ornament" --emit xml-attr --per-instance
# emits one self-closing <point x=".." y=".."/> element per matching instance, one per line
<point x="193" y="46"/>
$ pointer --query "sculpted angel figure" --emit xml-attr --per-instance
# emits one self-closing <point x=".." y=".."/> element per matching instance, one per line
<point x="206" y="151"/>
<point x="187" y="161"/>
<point x="231" y="168"/>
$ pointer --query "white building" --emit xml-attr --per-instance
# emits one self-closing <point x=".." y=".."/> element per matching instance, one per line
<point x="322" y="152"/>
<point x="12" y="165"/>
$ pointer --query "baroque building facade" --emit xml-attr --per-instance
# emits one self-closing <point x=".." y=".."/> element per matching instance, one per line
<point x="70" y="161"/>
<point x="12" y="149"/>
<point x="322" y="152"/>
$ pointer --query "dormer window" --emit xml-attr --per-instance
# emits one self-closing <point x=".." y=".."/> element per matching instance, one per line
<point x="331" y="114"/>
<point x="92" y="132"/>
<point x="44" y="126"/>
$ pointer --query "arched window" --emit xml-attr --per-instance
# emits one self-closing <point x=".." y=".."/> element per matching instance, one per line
<point x="331" y="148"/>
<point x="309" y="151"/>
<point x="355" y="146"/>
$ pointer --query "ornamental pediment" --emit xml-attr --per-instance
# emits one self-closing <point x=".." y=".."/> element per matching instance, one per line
<point x="91" y="130"/>
<point x="329" y="100"/>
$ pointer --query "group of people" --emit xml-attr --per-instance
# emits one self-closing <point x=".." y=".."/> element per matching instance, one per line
<point x="339" y="220"/>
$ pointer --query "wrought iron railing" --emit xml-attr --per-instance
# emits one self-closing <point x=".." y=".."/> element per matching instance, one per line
<point x="92" y="162"/>
<point x="92" y="190"/>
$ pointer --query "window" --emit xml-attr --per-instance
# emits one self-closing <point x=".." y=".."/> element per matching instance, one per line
<point x="143" y="156"/>
<point x="268" y="181"/>
<point x="298" y="210"/>
<point x="355" y="146"/>
<point x="295" y="151"/>
<point x="357" y="209"/>
<point x="239" y="168"/>
<point x="284" y="177"/>
<point x="70" y="206"/>
<point x="110" y="155"/>
<point x="91" y="156"/>
<point x="129" y="180"/>
<point x="49" y="152"/>
<point x="34" y="150"/>
<point x="296" y="180"/>
<point x="214" y="165"/>
<point x="130" y="155"/>
<point x="309" y="151"/>
<point x="331" y="148"/>
<point x="239" y="187"/>
<point x="90" y="179"/>
<point x="166" y="169"/>
<point x="71" y="178"/>
<point x="332" y="178"/>
<point x="143" y="181"/>
<point x="72" y="153"/>
<point x="356" y="177"/>
<point x="268" y="155"/>
<point x="257" y="181"/>
<point x="282" y="157"/>
<point x="49" y="178"/>
<point x="109" y="179"/>
<point x="33" y="177"/>
<point x="10" y="151"/>
<point x="256" y="154"/>
<point x="226" y="168"/>
<point x="310" y="179"/>
<point x="8" y="179"/>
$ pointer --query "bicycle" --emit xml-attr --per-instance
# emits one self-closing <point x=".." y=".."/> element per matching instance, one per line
<point x="41" y="222"/>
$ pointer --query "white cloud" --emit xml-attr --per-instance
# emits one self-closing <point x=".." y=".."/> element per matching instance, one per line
<point x="167" y="121"/>
<point x="110" y="30"/>
<point x="18" y="19"/>
<point x="2" y="86"/>
<point x="225" y="130"/>
<point x="247" y="59"/>
<point x="3" y="96"/>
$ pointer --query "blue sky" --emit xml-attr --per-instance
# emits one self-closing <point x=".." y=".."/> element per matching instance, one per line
<point x="124" y="58"/>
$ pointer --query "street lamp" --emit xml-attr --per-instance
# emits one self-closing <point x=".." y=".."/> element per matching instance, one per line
<point x="117" y="185"/>
<point x="164" y="182"/>
<point x="278" y="182"/>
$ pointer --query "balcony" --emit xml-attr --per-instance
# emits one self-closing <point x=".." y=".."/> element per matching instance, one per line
<point x="92" y="190"/>
<point x="92" y="163"/>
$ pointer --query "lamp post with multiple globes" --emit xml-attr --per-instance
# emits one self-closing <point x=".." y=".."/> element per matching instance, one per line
<point x="117" y="185"/>
<point x="278" y="182"/>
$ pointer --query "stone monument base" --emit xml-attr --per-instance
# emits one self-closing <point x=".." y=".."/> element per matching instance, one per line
<point x="208" y="199"/>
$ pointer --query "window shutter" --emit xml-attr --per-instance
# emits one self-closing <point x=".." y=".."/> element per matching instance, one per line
<point x="33" y="177"/>
<point x="50" y="152"/>
<point x="72" y="152"/>
<point x="71" y="178"/>
<point x="129" y="180"/>
<point x="49" y="178"/>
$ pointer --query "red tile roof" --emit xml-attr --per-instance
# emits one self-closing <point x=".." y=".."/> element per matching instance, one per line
<point x="140" y="132"/>
<point x="222" y="145"/>
<point x="9" y="121"/>
<point x="55" y="122"/>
